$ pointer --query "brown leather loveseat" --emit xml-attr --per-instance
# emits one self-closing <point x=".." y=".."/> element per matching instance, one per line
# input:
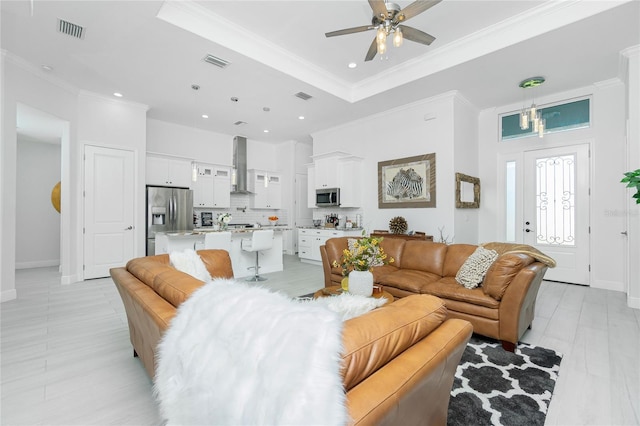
<point x="501" y="308"/>
<point x="398" y="360"/>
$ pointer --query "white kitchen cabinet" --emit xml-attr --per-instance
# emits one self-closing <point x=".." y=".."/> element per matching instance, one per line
<point x="212" y="189"/>
<point x="336" y="170"/>
<point x="310" y="240"/>
<point x="221" y="187"/>
<point x="326" y="173"/>
<point x="267" y="190"/>
<point x="167" y="171"/>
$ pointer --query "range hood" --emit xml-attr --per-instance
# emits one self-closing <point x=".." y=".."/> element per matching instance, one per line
<point x="240" y="165"/>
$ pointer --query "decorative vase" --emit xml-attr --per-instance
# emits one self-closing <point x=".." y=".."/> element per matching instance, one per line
<point x="361" y="283"/>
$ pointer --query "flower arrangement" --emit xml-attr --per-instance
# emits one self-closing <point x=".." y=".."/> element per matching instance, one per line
<point x="362" y="255"/>
<point x="273" y="218"/>
<point x="224" y="218"/>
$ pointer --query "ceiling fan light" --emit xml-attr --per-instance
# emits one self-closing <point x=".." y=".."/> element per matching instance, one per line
<point x="397" y="37"/>
<point x="381" y="35"/>
<point x="382" y="47"/>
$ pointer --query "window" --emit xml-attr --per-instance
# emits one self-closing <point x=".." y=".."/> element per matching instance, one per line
<point x="571" y="115"/>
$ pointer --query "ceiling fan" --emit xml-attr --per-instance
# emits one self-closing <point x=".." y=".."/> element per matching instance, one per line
<point x="387" y="19"/>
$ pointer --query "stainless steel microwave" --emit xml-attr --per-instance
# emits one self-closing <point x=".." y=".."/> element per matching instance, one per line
<point x="328" y="197"/>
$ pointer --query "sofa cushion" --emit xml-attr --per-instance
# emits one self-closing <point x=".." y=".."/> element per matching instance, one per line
<point x="424" y="256"/>
<point x="146" y="268"/>
<point x="502" y="272"/>
<point x="217" y="262"/>
<point x="455" y="258"/>
<point x="448" y="288"/>
<point x="393" y="247"/>
<point x="409" y="280"/>
<point x="475" y="267"/>
<point x="372" y="340"/>
<point x="379" y="272"/>
<point x="175" y="286"/>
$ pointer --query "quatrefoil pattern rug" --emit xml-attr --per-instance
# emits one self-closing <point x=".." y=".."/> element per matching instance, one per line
<point x="496" y="387"/>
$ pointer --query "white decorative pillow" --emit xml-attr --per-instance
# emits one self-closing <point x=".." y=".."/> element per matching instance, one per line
<point x="189" y="262"/>
<point x="349" y="305"/>
<point x="475" y="267"/>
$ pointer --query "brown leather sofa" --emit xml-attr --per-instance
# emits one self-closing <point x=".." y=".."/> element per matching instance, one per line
<point x="502" y="308"/>
<point x="398" y="360"/>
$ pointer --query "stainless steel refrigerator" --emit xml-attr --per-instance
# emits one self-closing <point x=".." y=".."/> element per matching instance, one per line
<point x="168" y="210"/>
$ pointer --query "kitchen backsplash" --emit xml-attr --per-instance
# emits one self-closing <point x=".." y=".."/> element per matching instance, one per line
<point x="242" y="213"/>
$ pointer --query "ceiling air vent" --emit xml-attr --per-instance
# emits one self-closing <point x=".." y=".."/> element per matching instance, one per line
<point x="214" y="60"/>
<point x="70" y="29"/>
<point x="303" y="96"/>
<point x="240" y="123"/>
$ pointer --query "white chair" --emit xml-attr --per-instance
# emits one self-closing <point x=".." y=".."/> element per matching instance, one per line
<point x="260" y="240"/>
<point x="218" y="240"/>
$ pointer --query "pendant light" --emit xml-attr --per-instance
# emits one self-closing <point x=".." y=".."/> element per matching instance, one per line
<point x="531" y="117"/>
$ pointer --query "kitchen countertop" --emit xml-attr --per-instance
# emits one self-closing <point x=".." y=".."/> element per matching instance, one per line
<point x="330" y="229"/>
<point x="200" y="231"/>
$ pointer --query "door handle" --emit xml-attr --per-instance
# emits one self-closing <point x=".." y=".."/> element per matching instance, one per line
<point x="624" y="233"/>
<point x="128" y="228"/>
<point x="527" y="230"/>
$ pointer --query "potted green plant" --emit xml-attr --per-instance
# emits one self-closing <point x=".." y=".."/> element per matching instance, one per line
<point x="632" y="179"/>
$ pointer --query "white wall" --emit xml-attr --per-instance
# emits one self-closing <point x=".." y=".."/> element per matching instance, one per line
<point x="465" y="160"/>
<point x="380" y="138"/>
<point x="606" y="139"/>
<point x="31" y="86"/>
<point x="633" y="163"/>
<point x="37" y="222"/>
<point x="121" y="125"/>
<point x="188" y="142"/>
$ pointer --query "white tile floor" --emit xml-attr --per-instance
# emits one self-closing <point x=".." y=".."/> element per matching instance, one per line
<point x="66" y="357"/>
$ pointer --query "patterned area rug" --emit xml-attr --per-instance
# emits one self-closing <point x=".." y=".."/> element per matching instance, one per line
<point x="496" y="387"/>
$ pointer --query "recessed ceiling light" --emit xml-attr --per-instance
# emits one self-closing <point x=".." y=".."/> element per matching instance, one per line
<point x="205" y="116"/>
<point x="352" y="65"/>
<point x="301" y="117"/>
<point x="117" y="94"/>
<point x="266" y="131"/>
<point x="234" y="99"/>
<point x="47" y="68"/>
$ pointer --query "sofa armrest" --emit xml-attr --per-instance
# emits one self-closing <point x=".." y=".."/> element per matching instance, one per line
<point x="326" y="266"/>
<point x="517" y="307"/>
<point x="414" y="387"/>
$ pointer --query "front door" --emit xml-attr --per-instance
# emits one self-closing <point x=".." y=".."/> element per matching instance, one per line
<point x="556" y="209"/>
<point x="108" y="209"/>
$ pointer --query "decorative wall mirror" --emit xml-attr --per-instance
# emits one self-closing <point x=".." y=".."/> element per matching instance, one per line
<point x="467" y="192"/>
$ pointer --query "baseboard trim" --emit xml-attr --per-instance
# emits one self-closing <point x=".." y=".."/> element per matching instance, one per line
<point x="633" y="302"/>
<point x="608" y="285"/>
<point x="37" y="264"/>
<point x="7" y="295"/>
<point x="69" y="279"/>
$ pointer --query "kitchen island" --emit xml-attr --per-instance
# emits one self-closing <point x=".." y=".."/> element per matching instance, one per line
<point x="270" y="260"/>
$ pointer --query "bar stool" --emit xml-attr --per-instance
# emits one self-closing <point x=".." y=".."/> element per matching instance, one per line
<point x="260" y="240"/>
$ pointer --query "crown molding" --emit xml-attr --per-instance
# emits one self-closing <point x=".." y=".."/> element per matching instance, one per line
<point x="199" y="20"/>
<point x="546" y="17"/>
<point x="39" y="72"/>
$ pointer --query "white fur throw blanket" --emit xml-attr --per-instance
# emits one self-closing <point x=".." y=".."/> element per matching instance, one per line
<point x="241" y="355"/>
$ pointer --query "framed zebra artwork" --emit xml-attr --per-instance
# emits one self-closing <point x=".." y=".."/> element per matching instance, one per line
<point x="407" y="182"/>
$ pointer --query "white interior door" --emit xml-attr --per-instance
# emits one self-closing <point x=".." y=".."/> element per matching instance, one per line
<point x="556" y="209"/>
<point x="108" y="209"/>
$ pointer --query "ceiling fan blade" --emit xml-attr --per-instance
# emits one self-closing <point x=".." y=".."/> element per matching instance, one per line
<point x="373" y="49"/>
<point x="349" y="31"/>
<point x="418" y="36"/>
<point x="415" y="8"/>
<point x="379" y="8"/>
